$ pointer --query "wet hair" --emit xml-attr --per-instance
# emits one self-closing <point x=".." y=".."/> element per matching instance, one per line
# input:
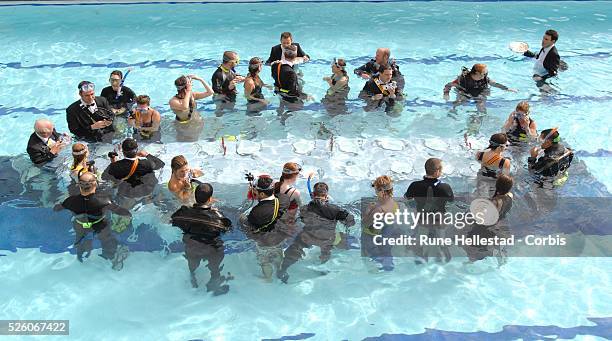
<point x="383" y="184"/>
<point x="384" y="68"/>
<point x="503" y="184"/>
<point x="78" y="149"/>
<point x="254" y="66"/>
<point x="203" y="193"/>
<point x="83" y="83"/>
<point x="117" y="73"/>
<point x="265" y="182"/>
<point x="554" y="36"/>
<point x="523" y="106"/>
<point x="129" y="147"/>
<point x="342" y="63"/>
<point x="497" y="140"/>
<point x="320" y="189"/>
<point x="432" y="165"/>
<point x="290" y="171"/>
<point x="143" y="99"/>
<point x="552" y="136"/>
<point x="286" y="35"/>
<point x="228" y="55"/>
<point x="177" y="163"/>
<point x="291" y="52"/>
<point x="181" y="82"/>
<point x="480" y="68"/>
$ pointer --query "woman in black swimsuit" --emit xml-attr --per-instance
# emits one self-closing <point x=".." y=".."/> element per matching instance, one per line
<point x="183" y="104"/>
<point x="252" y="88"/>
<point x="145" y="120"/>
<point x="335" y="98"/>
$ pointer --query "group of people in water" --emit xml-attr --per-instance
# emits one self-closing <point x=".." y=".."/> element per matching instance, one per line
<point x="281" y="223"/>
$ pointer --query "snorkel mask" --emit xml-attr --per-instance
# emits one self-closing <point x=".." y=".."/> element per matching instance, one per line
<point x="291" y="171"/>
<point x="388" y="187"/>
<point x="549" y="135"/>
<point x="87" y="86"/>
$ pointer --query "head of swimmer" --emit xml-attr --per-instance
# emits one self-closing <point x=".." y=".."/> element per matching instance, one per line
<point x="383" y="186"/>
<point x="44" y="128"/>
<point x="87" y="92"/>
<point x="339" y="66"/>
<point x="203" y="194"/>
<point x="548" y="137"/>
<point x="255" y="65"/>
<point x="290" y="52"/>
<point x="479" y="71"/>
<point x="180" y="167"/>
<point x="286" y="39"/>
<point x="129" y="147"/>
<point x="115" y="79"/>
<point x="550" y="37"/>
<point x="183" y="84"/>
<point x="433" y="168"/>
<point x="386" y="74"/>
<point x="88" y="183"/>
<point x="498" y="142"/>
<point x="143" y="103"/>
<point x="264" y="182"/>
<point x="320" y="191"/>
<point x="230" y="59"/>
<point x="382" y="55"/>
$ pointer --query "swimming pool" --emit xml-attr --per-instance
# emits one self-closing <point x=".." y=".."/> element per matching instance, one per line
<point x="50" y="49"/>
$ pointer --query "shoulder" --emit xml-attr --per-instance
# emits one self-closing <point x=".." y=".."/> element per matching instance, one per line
<point x="101" y="100"/>
<point x="106" y="90"/>
<point x="75" y="105"/>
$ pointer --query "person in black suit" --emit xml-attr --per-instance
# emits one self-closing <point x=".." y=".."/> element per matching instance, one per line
<point x="91" y="117"/>
<point x="45" y="143"/>
<point x="547" y="60"/>
<point x="276" y="53"/>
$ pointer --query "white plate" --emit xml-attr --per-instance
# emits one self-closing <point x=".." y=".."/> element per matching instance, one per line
<point x="518" y="46"/>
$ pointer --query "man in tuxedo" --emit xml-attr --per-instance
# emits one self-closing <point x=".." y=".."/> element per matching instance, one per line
<point x="91" y="117"/>
<point x="547" y="60"/>
<point x="45" y="143"/>
<point x="277" y="55"/>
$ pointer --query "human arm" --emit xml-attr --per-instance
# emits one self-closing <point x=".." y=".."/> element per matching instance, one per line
<point x="200" y="95"/>
<point x="500" y="86"/>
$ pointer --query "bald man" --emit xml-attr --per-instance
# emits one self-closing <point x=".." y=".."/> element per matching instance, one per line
<point x="45" y="143"/>
<point x="372" y="68"/>
<point x="89" y="209"/>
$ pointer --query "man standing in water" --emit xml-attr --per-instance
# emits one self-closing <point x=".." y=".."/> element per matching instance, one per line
<point x="547" y="60"/>
<point x="89" y="209"/>
<point x="202" y="227"/>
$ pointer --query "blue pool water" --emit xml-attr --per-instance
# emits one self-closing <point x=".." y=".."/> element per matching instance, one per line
<point x="49" y="49"/>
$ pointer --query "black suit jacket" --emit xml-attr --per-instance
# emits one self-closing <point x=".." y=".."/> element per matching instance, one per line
<point x="276" y="53"/>
<point x="80" y="119"/>
<point x="38" y="151"/>
<point x="551" y="62"/>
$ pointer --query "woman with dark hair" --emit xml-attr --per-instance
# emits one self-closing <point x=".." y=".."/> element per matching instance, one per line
<point x="289" y="197"/>
<point x="492" y="164"/>
<point x="502" y="199"/>
<point x="335" y="98"/>
<point x="491" y="159"/>
<point x="253" y="86"/>
<point x="183" y="104"/>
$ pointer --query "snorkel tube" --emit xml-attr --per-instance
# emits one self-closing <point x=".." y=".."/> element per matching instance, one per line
<point x="121" y="84"/>
<point x="308" y="184"/>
